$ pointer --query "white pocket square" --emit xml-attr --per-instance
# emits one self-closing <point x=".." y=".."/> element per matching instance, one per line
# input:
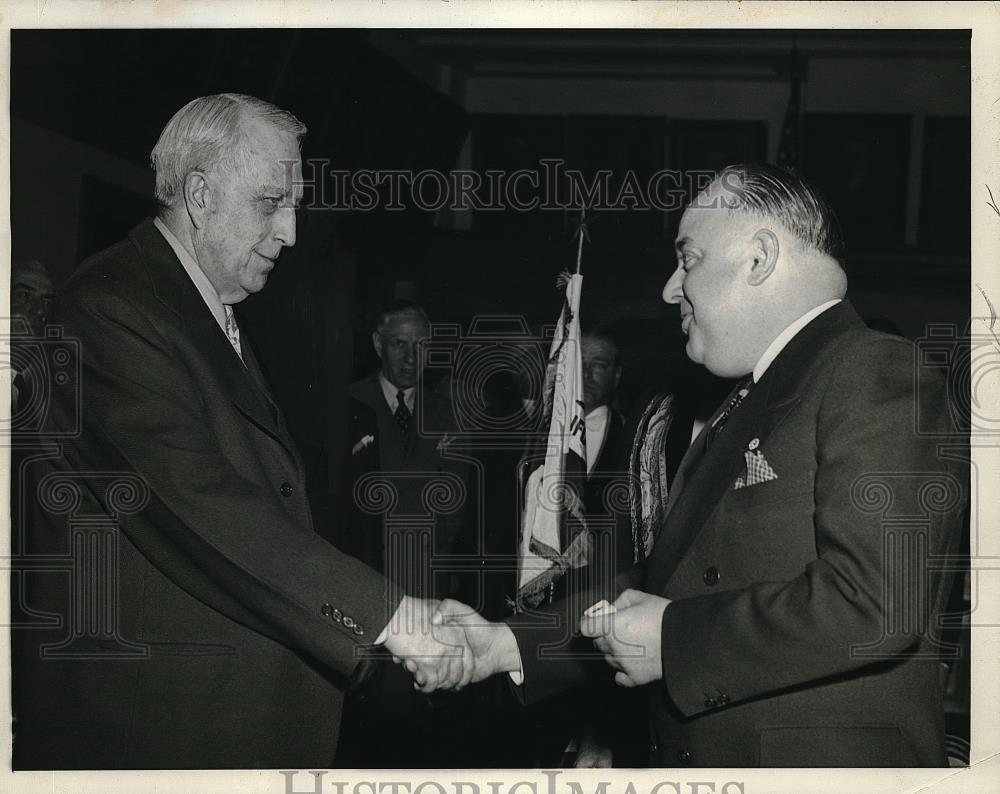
<point x="758" y="470"/>
<point x="364" y="442"/>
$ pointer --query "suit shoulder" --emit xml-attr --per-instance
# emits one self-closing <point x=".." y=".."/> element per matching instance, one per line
<point x="441" y="407"/>
<point x="361" y="411"/>
<point x="112" y="269"/>
<point x="364" y="392"/>
<point x="437" y="399"/>
<point x="865" y="349"/>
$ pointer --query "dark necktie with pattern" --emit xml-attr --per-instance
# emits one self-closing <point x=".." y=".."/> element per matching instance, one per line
<point x="741" y="392"/>
<point x="402" y="414"/>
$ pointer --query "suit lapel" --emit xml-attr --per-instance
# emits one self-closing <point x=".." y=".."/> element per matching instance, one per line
<point x="257" y="374"/>
<point x="704" y="477"/>
<point x="703" y="481"/>
<point x="391" y="445"/>
<point x="235" y="381"/>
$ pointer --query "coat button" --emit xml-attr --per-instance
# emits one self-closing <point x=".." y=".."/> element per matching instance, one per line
<point x="358" y="629"/>
<point x="710" y="703"/>
<point x="349" y="621"/>
<point x="337" y="615"/>
<point x="711" y="576"/>
<point x="326" y="609"/>
<point x="684" y="757"/>
<point x="286" y="489"/>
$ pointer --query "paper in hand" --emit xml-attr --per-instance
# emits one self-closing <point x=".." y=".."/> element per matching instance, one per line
<point x="602" y="607"/>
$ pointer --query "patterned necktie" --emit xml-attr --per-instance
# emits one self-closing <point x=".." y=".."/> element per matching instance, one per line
<point x="402" y="414"/>
<point x="741" y="392"/>
<point x="233" y="330"/>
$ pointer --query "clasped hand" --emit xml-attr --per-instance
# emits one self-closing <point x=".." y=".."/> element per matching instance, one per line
<point x="629" y="637"/>
<point x="447" y="644"/>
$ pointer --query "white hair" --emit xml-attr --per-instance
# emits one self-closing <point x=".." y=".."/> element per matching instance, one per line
<point x="207" y="134"/>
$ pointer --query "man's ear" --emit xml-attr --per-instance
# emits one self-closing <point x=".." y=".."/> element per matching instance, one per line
<point x="197" y="197"/>
<point x="377" y="343"/>
<point x="765" y="257"/>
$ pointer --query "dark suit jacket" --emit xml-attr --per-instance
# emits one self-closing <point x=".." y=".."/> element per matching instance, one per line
<point x="800" y="631"/>
<point x="430" y="489"/>
<point x="359" y="531"/>
<point x="607" y="467"/>
<point x="235" y="624"/>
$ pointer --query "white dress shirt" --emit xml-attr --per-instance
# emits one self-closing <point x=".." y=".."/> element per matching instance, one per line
<point x="389" y="392"/>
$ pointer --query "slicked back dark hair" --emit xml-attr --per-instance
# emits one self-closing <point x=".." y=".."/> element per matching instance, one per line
<point x="773" y="192"/>
<point x="606" y="333"/>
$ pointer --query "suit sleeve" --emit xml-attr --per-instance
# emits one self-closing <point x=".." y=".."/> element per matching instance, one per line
<point x="555" y="657"/>
<point x="773" y="636"/>
<point x="208" y="527"/>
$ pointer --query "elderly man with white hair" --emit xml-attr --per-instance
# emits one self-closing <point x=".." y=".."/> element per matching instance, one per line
<point x="215" y="628"/>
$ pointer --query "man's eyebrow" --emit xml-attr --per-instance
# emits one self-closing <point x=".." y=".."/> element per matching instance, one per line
<point x="285" y="193"/>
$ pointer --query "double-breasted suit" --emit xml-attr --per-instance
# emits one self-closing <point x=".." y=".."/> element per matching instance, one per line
<point x="242" y="624"/>
<point x="797" y="551"/>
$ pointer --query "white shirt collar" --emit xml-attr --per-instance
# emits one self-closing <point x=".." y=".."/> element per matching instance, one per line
<point x="786" y="336"/>
<point x="599" y="414"/>
<point x="389" y="392"/>
<point x="195" y="273"/>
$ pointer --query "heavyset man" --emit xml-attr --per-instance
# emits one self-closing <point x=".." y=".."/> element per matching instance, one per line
<point x="785" y="616"/>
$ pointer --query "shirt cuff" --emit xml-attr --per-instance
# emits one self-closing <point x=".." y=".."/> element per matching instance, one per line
<point x="517" y="676"/>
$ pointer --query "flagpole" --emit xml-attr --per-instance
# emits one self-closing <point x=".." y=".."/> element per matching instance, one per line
<point x="579" y="247"/>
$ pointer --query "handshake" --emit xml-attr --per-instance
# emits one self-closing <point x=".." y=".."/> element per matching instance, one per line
<point x="448" y="645"/>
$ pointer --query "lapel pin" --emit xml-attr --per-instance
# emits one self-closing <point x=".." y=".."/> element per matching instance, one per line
<point x="754" y="443"/>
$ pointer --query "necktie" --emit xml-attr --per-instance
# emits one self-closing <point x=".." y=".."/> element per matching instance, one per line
<point x="233" y="330"/>
<point x="741" y="392"/>
<point x="402" y="414"/>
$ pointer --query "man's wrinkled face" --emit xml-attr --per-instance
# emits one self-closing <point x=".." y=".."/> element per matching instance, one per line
<point x="252" y="214"/>
<point x="707" y="286"/>
<point x="600" y="372"/>
<point x="31" y="299"/>
<point x="398" y="345"/>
